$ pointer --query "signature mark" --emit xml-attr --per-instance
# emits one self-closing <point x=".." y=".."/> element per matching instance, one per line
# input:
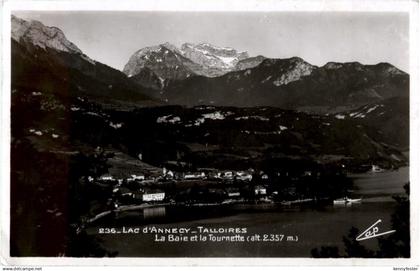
<point x="372" y="232"/>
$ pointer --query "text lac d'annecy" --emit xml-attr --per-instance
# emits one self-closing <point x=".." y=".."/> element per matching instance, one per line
<point x="198" y="229"/>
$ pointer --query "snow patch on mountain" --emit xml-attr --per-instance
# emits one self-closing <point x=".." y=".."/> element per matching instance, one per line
<point x="252" y="117"/>
<point x="213" y="57"/>
<point x="168" y="119"/>
<point x="215" y="115"/>
<point x="371" y="109"/>
<point x="266" y="79"/>
<point x="368" y="109"/>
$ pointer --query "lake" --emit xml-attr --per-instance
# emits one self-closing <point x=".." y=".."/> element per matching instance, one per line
<point x="379" y="186"/>
<point x="312" y="226"/>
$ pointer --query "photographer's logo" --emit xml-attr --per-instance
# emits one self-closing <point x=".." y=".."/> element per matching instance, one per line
<point x="372" y="232"/>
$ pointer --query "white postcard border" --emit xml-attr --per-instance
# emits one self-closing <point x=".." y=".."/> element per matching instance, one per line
<point x="411" y="7"/>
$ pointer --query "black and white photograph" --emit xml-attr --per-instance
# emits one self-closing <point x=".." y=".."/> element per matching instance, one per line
<point x="210" y="134"/>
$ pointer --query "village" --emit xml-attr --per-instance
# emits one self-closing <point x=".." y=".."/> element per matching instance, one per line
<point x="215" y="187"/>
<point x="192" y="187"/>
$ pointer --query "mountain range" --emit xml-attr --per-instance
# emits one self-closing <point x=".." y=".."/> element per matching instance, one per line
<point x="48" y="67"/>
<point x="207" y="74"/>
<point x="196" y="74"/>
<point x="294" y="84"/>
<point x="193" y="108"/>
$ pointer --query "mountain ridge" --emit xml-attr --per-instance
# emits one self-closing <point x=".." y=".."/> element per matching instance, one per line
<point x="38" y="34"/>
<point x="171" y="63"/>
<point x="290" y="83"/>
<point x="293" y="83"/>
<point x="45" y="61"/>
<point x="164" y="73"/>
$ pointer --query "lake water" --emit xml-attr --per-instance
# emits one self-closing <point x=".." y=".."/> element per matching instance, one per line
<point x="312" y="226"/>
<point x="379" y="186"/>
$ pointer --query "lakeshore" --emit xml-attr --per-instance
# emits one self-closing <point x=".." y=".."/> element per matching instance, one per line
<point x="315" y="224"/>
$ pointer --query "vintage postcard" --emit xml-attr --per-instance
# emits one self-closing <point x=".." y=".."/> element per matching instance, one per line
<point x="183" y="131"/>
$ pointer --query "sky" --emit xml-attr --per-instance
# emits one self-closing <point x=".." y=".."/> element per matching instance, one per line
<point x="317" y="37"/>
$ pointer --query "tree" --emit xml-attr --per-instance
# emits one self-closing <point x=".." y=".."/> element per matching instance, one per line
<point x="81" y="192"/>
<point x="392" y="246"/>
<point x="398" y="243"/>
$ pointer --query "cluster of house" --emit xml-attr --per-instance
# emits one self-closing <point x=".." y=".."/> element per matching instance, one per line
<point x="135" y="188"/>
<point x="222" y="175"/>
<point x="128" y="188"/>
<point x="125" y="195"/>
<point x="170" y="175"/>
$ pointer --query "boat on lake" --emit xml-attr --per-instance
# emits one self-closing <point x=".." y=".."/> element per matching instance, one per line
<point x="376" y="169"/>
<point x="346" y="200"/>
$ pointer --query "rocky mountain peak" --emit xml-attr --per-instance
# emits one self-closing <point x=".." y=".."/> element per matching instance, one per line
<point x="387" y="68"/>
<point x="169" y="62"/>
<point x="211" y="56"/>
<point x="382" y="68"/>
<point x="164" y="60"/>
<point x="249" y="62"/>
<point x="287" y="70"/>
<point x="37" y="34"/>
<point x="42" y="36"/>
<point x="333" y="65"/>
<point x="170" y="46"/>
